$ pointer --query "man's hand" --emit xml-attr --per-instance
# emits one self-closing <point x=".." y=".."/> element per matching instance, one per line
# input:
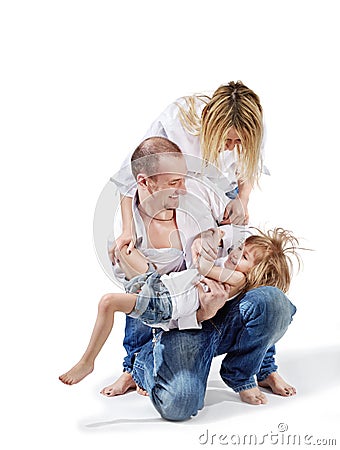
<point x="212" y="300"/>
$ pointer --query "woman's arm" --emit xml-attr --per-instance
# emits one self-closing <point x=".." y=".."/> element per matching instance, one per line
<point x="244" y="191"/>
<point x="236" y="211"/>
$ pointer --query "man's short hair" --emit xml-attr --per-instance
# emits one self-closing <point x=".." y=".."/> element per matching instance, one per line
<point x="145" y="158"/>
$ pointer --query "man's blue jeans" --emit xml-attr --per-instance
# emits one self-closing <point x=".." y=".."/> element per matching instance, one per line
<point x="136" y="336"/>
<point x="174" y="369"/>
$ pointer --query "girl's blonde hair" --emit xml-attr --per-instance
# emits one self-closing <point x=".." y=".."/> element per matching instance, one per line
<point x="232" y="105"/>
<point x="273" y="261"/>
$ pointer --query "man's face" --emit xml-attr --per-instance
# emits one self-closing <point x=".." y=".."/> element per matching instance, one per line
<point x="168" y="184"/>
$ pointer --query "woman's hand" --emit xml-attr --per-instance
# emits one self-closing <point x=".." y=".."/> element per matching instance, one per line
<point x="236" y="212"/>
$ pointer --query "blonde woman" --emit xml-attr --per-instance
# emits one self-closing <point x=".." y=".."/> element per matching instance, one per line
<point x="221" y="137"/>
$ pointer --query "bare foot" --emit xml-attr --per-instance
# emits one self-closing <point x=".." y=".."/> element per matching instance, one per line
<point x="120" y="387"/>
<point x="278" y="385"/>
<point x="253" y="396"/>
<point x="141" y="391"/>
<point x="77" y="373"/>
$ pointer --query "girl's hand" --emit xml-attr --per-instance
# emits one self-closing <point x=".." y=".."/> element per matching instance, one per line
<point x="206" y="244"/>
<point x="124" y="239"/>
<point x="204" y="266"/>
<point x="236" y="212"/>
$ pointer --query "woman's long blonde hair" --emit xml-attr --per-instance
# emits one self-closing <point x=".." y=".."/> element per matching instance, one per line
<point x="232" y="105"/>
<point x="274" y="263"/>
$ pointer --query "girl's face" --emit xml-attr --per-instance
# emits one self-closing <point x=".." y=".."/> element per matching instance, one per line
<point x="242" y="258"/>
<point x="232" y="139"/>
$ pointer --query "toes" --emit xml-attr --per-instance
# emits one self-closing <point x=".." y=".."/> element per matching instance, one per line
<point x="65" y="379"/>
<point x="258" y="400"/>
<point x="287" y="391"/>
<point x="106" y="391"/>
<point x="142" y="391"/>
<point x="264" y="399"/>
<point x="291" y="391"/>
<point x="109" y="393"/>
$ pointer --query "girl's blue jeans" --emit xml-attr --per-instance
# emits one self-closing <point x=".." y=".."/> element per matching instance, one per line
<point x="174" y="368"/>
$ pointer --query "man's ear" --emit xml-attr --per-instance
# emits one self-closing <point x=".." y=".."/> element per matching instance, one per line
<point x="142" y="180"/>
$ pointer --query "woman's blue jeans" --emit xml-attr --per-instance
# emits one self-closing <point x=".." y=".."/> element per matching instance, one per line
<point x="174" y="368"/>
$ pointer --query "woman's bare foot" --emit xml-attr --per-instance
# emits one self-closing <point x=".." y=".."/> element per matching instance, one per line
<point x="121" y="386"/>
<point x="278" y="385"/>
<point x="253" y="396"/>
<point x="77" y="373"/>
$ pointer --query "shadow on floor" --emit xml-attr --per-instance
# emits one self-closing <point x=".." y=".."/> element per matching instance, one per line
<point x="310" y="371"/>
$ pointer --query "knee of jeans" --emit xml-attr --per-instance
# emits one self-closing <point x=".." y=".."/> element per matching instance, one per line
<point x="268" y="302"/>
<point x="178" y="401"/>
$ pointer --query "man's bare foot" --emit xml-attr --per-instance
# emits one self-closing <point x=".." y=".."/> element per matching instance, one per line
<point x="253" y="396"/>
<point x="278" y="385"/>
<point x="77" y="373"/>
<point x="121" y="386"/>
<point x="141" y="391"/>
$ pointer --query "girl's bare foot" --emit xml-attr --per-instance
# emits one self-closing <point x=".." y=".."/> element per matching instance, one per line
<point x="253" y="396"/>
<point x="77" y="373"/>
<point x="121" y="386"/>
<point x="278" y="385"/>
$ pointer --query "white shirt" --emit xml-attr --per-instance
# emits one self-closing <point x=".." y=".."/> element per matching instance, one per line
<point x="201" y="208"/>
<point x="169" y="125"/>
<point x="190" y="220"/>
<point x="198" y="211"/>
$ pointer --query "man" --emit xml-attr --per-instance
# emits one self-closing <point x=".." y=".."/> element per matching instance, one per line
<point x="173" y="369"/>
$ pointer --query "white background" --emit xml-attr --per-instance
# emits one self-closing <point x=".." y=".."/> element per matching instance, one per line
<point x="80" y="83"/>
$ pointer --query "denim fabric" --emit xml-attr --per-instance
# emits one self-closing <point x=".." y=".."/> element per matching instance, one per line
<point x="153" y="304"/>
<point x="135" y="285"/>
<point x="174" y="369"/>
<point x="268" y="364"/>
<point x="136" y="336"/>
<point x="232" y="194"/>
<point x="136" y="333"/>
